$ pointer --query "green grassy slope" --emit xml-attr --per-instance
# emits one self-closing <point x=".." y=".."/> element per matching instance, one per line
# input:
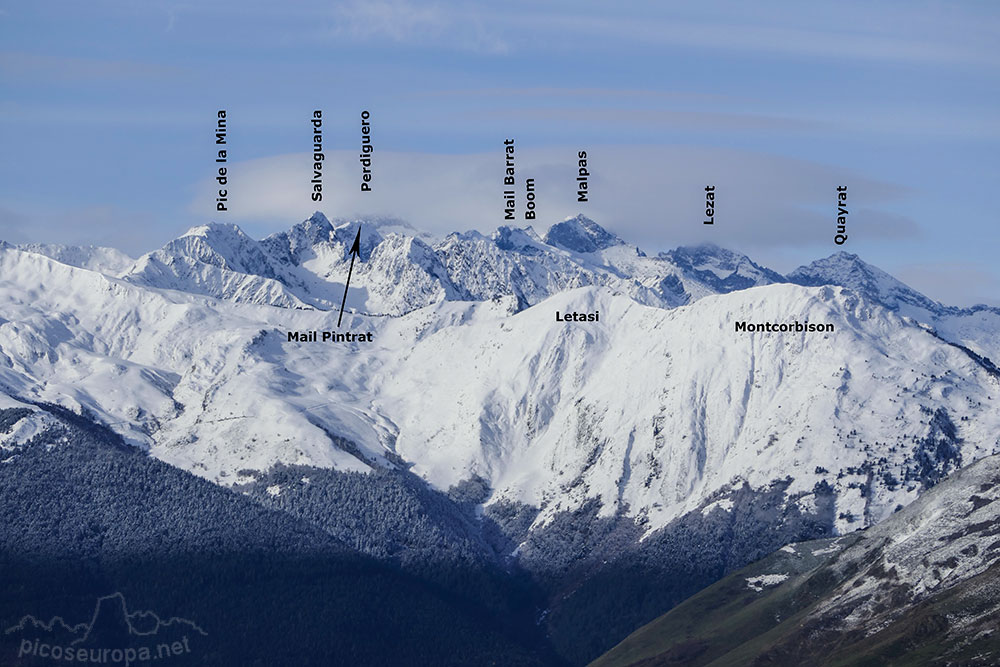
<point x="920" y="588"/>
<point x="729" y="613"/>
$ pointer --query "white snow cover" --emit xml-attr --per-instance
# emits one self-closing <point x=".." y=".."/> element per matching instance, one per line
<point x="762" y="581"/>
<point x="977" y="328"/>
<point x="650" y="410"/>
<point x="403" y="270"/>
<point x="725" y="504"/>
<point x="109" y="261"/>
<point x="17" y="432"/>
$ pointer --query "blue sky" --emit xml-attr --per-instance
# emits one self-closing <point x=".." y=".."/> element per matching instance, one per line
<point x="107" y="111"/>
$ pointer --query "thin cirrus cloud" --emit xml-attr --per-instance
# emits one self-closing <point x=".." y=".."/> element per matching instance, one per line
<point x="647" y="94"/>
<point x="422" y="24"/>
<point x="856" y="31"/>
<point x="752" y="37"/>
<point x="661" y="118"/>
<point x="35" y="66"/>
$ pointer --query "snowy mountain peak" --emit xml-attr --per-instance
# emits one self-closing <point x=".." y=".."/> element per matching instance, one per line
<point x="580" y="234"/>
<point x="842" y="264"/>
<point x="704" y="252"/>
<point x="317" y="228"/>
<point x="517" y="239"/>
<point x="319" y="218"/>
<point x="650" y="412"/>
<point x="221" y="245"/>
<point x="370" y="237"/>
<point x="722" y="270"/>
<point x="848" y="270"/>
<point x="216" y="230"/>
<point x="287" y="246"/>
<point x="307" y="265"/>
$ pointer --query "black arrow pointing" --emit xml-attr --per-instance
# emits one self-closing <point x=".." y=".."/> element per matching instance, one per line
<point x="355" y="250"/>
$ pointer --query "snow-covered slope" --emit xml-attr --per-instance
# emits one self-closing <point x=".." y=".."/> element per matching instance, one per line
<point x="653" y="412"/>
<point x="940" y="541"/>
<point x="656" y="410"/>
<point x="104" y="260"/>
<point x="977" y="328"/>
<point x="849" y="270"/>
<point x="720" y="271"/>
<point x="216" y="260"/>
<point x="581" y="235"/>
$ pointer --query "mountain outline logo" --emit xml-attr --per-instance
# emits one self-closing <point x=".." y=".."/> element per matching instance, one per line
<point x="114" y="635"/>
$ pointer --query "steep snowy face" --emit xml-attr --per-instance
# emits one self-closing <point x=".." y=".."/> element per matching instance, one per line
<point x="655" y="411"/>
<point x="223" y="246"/>
<point x="299" y="243"/>
<point x="580" y="234"/>
<point x="403" y="274"/>
<point x="651" y="412"/>
<point x="976" y="328"/>
<point x="306" y="266"/>
<point x="178" y="272"/>
<point x="719" y="269"/>
<point x="513" y="262"/>
<point x="848" y="270"/>
<point x="217" y="260"/>
<point x="317" y="237"/>
<point x="684" y="275"/>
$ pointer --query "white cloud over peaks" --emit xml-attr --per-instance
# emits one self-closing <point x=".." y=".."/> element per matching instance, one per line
<point x="650" y="196"/>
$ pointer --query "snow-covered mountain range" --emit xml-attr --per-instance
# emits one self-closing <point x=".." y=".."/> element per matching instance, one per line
<point x="402" y="271"/>
<point x="659" y="409"/>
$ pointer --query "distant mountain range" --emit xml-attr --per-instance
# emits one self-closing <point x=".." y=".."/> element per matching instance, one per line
<point x="618" y="465"/>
